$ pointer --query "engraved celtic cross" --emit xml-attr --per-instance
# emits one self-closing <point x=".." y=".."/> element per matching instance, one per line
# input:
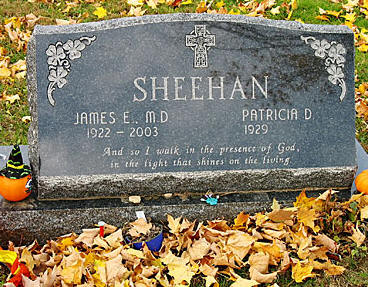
<point x="200" y="40"/>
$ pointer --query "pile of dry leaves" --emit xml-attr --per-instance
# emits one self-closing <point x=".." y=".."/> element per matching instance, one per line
<point x="266" y="245"/>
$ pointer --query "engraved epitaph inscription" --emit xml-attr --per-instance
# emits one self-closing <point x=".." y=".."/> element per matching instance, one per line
<point x="254" y="105"/>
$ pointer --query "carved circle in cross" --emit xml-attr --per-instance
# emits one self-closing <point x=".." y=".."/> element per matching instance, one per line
<point x="200" y="40"/>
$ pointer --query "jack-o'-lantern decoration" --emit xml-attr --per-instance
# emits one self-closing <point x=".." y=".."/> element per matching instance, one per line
<point x="15" y="178"/>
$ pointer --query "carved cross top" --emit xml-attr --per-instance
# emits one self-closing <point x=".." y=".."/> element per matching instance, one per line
<point x="200" y="40"/>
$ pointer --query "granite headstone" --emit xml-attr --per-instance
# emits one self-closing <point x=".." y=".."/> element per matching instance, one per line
<point x="190" y="102"/>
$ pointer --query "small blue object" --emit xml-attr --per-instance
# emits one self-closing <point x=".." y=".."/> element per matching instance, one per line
<point x="212" y="200"/>
<point x="153" y="245"/>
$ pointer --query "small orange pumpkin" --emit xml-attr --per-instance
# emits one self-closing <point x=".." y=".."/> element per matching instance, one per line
<point x="361" y="182"/>
<point x="15" y="189"/>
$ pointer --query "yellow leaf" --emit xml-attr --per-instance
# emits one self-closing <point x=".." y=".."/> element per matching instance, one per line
<point x="4" y="72"/>
<point x="241" y="219"/>
<point x="363" y="48"/>
<point x="65" y="242"/>
<point x="234" y="12"/>
<point x="135" y="2"/>
<point x="178" y="268"/>
<point x="299" y="20"/>
<point x="294" y="4"/>
<point x="350" y="17"/>
<point x="307" y="217"/>
<point x="299" y="272"/>
<point x="100" y="275"/>
<point x="100" y="12"/>
<point x="365" y="4"/>
<point x="186" y="2"/>
<point x="333" y="13"/>
<point x="220" y="4"/>
<point x="241" y="282"/>
<point x="73" y="274"/>
<point x="152" y="4"/>
<point x="7" y="256"/>
<point x="275" y="10"/>
<point x="275" y="205"/>
<point x="11" y="99"/>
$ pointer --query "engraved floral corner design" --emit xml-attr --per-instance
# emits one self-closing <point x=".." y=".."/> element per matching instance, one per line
<point x="334" y="55"/>
<point x="59" y="57"/>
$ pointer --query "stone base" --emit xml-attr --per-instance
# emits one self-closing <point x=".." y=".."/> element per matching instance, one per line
<point x="31" y="219"/>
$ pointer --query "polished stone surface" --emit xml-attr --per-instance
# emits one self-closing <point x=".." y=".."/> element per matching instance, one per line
<point x="188" y="102"/>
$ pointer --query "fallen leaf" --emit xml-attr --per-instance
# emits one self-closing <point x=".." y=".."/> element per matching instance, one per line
<point x="350" y="17"/>
<point x="301" y="272"/>
<point x="322" y="239"/>
<point x="275" y="10"/>
<point x="322" y="17"/>
<point x="241" y="282"/>
<point x="199" y="249"/>
<point x="88" y="236"/>
<point x="358" y="237"/>
<point x="261" y="278"/>
<point x="139" y="227"/>
<point x="27" y="282"/>
<point x="362" y="110"/>
<point x="174" y="224"/>
<point x="4" y="72"/>
<point x="115" y="269"/>
<point x="259" y="261"/>
<point x="100" y="12"/>
<point x="178" y="269"/>
<point x="135" y="199"/>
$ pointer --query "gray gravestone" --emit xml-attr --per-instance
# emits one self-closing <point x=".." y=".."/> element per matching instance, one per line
<point x="190" y="102"/>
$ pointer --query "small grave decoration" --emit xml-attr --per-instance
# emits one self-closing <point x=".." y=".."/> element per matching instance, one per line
<point x="361" y="182"/>
<point x="143" y="231"/>
<point x="15" y="177"/>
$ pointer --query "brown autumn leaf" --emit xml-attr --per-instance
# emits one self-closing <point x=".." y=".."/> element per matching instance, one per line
<point x="27" y="258"/>
<point x="199" y="249"/>
<point x="115" y="269"/>
<point x="239" y="243"/>
<point x="259" y="261"/>
<point x="241" y="282"/>
<point x="27" y="282"/>
<point x="261" y="278"/>
<point x="139" y="227"/>
<point x="174" y="224"/>
<point x="88" y="236"/>
<point x="241" y="219"/>
<point x="49" y="277"/>
<point x="115" y="239"/>
<point x="362" y="109"/>
<point x="323" y="239"/>
<point x="358" y="237"/>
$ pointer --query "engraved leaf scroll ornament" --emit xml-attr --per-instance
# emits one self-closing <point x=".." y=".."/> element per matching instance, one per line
<point x="334" y="55"/>
<point x="59" y="57"/>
